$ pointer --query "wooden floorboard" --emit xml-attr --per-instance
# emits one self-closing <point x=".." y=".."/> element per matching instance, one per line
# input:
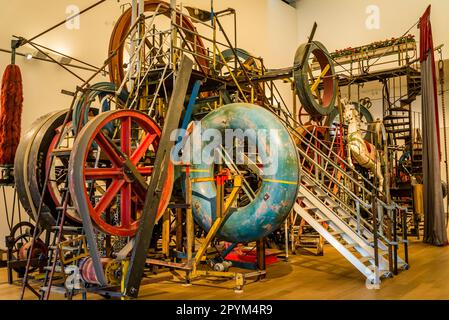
<point x="308" y="277"/>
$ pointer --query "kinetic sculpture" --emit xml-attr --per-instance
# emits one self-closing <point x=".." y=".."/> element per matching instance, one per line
<point x="363" y="152"/>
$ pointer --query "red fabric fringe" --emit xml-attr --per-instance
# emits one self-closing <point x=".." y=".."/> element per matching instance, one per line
<point x="10" y="114"/>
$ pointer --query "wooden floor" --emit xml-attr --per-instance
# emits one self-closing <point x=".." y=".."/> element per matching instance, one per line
<point x="309" y="277"/>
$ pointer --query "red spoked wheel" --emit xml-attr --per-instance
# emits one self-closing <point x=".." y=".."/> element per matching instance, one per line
<point x="110" y="167"/>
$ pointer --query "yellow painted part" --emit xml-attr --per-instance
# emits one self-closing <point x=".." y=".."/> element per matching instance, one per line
<point x="197" y="170"/>
<point x="233" y="195"/>
<point x="85" y="253"/>
<point x="206" y="179"/>
<point x="125" y="264"/>
<point x="210" y="235"/>
<point x="418" y="194"/>
<point x="225" y="274"/>
<point x="281" y="181"/>
<point x="317" y="81"/>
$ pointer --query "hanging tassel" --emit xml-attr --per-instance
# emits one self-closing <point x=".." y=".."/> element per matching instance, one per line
<point x="11" y="97"/>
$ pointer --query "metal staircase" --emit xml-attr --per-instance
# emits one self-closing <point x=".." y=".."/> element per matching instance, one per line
<point x="346" y="208"/>
<point x="361" y="228"/>
<point x="346" y="232"/>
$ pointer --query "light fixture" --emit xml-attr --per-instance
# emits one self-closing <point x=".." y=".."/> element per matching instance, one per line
<point x="64" y="60"/>
<point x="39" y="55"/>
<point x="29" y="56"/>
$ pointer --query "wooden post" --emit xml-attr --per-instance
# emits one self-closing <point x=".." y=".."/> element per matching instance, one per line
<point x="260" y="250"/>
<point x="179" y="233"/>
<point x="166" y="233"/>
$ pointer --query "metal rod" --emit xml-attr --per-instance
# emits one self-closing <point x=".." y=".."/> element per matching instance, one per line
<point x="57" y="62"/>
<point x="64" y="21"/>
<point x="46" y="60"/>
<point x="64" y="55"/>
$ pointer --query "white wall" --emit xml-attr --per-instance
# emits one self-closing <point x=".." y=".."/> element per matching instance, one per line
<point x="266" y="28"/>
<point x="341" y="24"/>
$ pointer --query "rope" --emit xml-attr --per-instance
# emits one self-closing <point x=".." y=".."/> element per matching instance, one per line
<point x="441" y="74"/>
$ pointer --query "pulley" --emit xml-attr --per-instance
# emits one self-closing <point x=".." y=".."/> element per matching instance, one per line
<point x="110" y="165"/>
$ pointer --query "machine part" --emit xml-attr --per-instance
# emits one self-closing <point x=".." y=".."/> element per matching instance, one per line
<point x="252" y="65"/>
<point x="307" y="83"/>
<point x="113" y="272"/>
<point x="303" y="113"/>
<point x="120" y="32"/>
<point x="39" y="251"/>
<point x="18" y="244"/>
<point x="108" y="170"/>
<point x="154" y="198"/>
<point x="101" y="93"/>
<point x="73" y="249"/>
<point x="87" y="270"/>
<point x="222" y="266"/>
<point x="366" y="118"/>
<point x="277" y="190"/>
<point x="58" y="168"/>
<point x="418" y="196"/>
<point x="30" y="167"/>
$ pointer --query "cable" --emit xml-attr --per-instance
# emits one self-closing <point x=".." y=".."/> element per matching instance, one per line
<point x="441" y="74"/>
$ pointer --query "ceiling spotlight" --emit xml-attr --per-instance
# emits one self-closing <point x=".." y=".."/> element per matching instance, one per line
<point x="40" y="55"/>
<point x="29" y="56"/>
<point x="64" y="60"/>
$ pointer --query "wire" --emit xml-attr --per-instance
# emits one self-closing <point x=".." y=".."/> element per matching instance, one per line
<point x="6" y="209"/>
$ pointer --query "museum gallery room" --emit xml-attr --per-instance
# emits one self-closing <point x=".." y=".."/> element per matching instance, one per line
<point x="224" y="150"/>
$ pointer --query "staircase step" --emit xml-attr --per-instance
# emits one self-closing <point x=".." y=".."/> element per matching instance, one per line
<point x="337" y="233"/>
<point x="394" y="124"/>
<point x="394" y="117"/>
<point x="350" y="245"/>
<point x="57" y="268"/>
<point x="62" y="152"/>
<point x="55" y="289"/>
<point x="407" y="101"/>
<point x="365" y="259"/>
<point x="400" y="131"/>
<point x="402" y="109"/>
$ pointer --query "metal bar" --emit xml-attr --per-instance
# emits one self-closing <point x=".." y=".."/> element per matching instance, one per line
<point x="47" y="60"/>
<point x="146" y="225"/>
<point x="57" y="62"/>
<point x="312" y="35"/>
<point x="64" y="21"/>
<point x="64" y="55"/>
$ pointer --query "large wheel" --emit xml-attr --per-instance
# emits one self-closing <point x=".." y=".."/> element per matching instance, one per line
<point x="30" y="168"/>
<point x="120" y="33"/>
<point x="100" y="97"/>
<point x="101" y="185"/>
<point x="319" y="102"/>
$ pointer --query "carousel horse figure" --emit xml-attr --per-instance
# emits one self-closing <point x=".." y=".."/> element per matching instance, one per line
<point x="363" y="152"/>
